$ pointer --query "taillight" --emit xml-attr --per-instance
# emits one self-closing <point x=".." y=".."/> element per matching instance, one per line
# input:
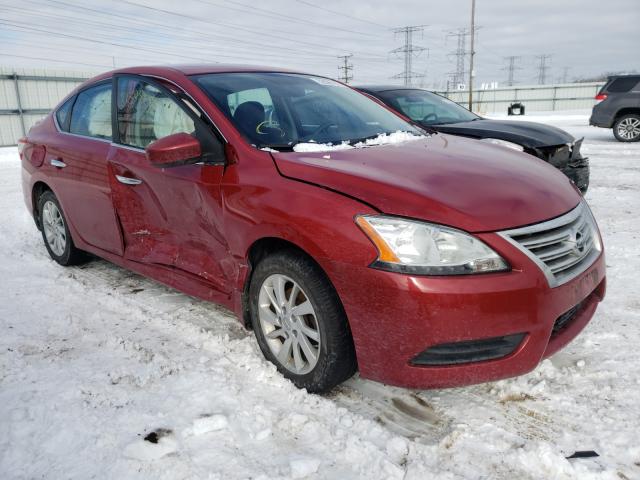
<point x="601" y="96"/>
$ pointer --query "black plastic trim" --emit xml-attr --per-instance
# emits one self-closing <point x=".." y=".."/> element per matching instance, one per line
<point x="469" y="351"/>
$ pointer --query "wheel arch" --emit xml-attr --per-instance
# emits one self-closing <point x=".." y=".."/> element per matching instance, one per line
<point x="260" y="249"/>
<point x="37" y="190"/>
<point x="627" y="111"/>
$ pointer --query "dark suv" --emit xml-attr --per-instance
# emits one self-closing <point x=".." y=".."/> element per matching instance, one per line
<point x="618" y="107"/>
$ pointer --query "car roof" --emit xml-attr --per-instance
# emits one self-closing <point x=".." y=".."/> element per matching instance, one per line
<point x="385" y="88"/>
<point x="626" y="75"/>
<point x="193" y="69"/>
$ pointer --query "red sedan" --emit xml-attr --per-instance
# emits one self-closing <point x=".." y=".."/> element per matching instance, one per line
<point x="345" y="237"/>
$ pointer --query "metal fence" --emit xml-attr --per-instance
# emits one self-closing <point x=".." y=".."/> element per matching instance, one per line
<point x="27" y="95"/>
<point x="570" y="96"/>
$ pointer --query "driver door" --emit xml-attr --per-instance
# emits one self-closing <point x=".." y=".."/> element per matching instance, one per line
<point x="170" y="216"/>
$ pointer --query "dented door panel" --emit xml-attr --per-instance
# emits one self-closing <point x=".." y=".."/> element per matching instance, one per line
<point x="172" y="217"/>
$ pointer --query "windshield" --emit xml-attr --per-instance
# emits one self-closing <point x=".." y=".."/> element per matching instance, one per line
<point x="281" y="110"/>
<point x="426" y="108"/>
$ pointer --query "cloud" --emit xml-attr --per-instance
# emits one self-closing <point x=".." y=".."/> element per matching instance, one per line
<point x="309" y="35"/>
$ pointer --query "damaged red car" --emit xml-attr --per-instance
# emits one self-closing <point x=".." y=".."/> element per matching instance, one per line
<point x="345" y="237"/>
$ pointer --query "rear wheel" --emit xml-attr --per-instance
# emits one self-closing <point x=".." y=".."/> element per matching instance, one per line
<point x="55" y="231"/>
<point x="299" y="322"/>
<point x="627" y="128"/>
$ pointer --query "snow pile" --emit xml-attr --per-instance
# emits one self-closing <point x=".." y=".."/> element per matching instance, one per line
<point x="382" y="139"/>
<point x="105" y="374"/>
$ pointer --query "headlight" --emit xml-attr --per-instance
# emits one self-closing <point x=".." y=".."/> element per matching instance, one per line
<point x="504" y="143"/>
<point x="410" y="246"/>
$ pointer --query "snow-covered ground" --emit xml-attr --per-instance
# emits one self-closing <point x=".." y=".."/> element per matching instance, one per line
<point x="93" y="359"/>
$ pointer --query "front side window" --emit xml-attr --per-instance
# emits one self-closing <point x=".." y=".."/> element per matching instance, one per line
<point x="427" y="108"/>
<point x="145" y="113"/>
<point x="91" y="114"/>
<point x="280" y="110"/>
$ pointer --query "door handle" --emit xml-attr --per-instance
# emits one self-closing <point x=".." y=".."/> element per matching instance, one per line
<point x="56" y="162"/>
<point x="128" y="180"/>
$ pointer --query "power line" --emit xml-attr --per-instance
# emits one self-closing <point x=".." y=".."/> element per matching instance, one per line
<point x="409" y="50"/>
<point x="346" y="68"/>
<point x="254" y="10"/>
<point x="341" y="14"/>
<point x="543" y="67"/>
<point x="206" y="34"/>
<point x="223" y="24"/>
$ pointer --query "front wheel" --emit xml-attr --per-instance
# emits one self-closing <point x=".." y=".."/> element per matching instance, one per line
<point x="299" y="322"/>
<point x="627" y="128"/>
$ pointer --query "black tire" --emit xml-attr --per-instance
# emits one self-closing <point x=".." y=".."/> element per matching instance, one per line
<point x="634" y="135"/>
<point x="336" y="360"/>
<point x="70" y="254"/>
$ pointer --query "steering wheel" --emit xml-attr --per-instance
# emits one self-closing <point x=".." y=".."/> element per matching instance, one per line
<point x="270" y="126"/>
<point x="321" y="128"/>
<point x="430" y="116"/>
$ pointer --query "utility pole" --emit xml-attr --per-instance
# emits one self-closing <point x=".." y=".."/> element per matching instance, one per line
<point x="472" y="52"/>
<point x="542" y="68"/>
<point x="511" y="68"/>
<point x="346" y="68"/>
<point x="409" y="50"/>
<point x="565" y="74"/>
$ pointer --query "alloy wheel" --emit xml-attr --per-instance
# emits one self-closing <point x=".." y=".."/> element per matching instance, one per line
<point x="54" y="229"/>
<point x="289" y="323"/>
<point x="629" y="128"/>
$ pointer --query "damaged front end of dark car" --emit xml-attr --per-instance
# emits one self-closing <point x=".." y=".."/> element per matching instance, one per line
<point x="435" y="112"/>
<point x="568" y="159"/>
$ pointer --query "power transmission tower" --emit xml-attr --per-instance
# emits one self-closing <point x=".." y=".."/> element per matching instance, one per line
<point x="543" y="67"/>
<point x="458" y="77"/>
<point x="346" y="67"/>
<point x="409" y="50"/>
<point x="511" y="68"/>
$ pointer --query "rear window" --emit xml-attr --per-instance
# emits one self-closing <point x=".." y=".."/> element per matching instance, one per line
<point x="622" y="85"/>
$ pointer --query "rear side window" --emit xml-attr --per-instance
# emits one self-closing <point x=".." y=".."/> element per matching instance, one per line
<point x="91" y="114"/>
<point x="146" y="113"/>
<point x="63" y="115"/>
<point x="622" y="85"/>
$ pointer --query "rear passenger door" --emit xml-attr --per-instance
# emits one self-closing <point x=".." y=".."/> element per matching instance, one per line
<point x="77" y="163"/>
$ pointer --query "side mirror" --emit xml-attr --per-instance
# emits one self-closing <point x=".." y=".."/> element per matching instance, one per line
<point x="174" y="150"/>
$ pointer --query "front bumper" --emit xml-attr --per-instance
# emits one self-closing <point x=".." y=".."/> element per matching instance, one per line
<point x="569" y="160"/>
<point x="396" y="317"/>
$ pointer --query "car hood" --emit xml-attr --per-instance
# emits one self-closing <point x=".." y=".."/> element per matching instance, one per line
<point x="444" y="179"/>
<point x="527" y="134"/>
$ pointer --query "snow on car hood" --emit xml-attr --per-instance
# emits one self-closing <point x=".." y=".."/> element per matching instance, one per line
<point x="445" y="179"/>
<point x="382" y="139"/>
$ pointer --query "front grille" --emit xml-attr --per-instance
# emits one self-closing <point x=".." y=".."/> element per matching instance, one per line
<point x="468" y="351"/>
<point x="564" y="247"/>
